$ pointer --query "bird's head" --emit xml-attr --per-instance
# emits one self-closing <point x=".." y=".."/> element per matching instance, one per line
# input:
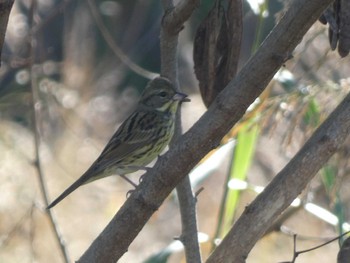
<point x="161" y="95"/>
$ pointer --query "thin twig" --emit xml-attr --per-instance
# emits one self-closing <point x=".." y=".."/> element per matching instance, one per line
<point x="5" y="10"/>
<point x="294" y="247"/>
<point x="324" y="244"/>
<point x="197" y="193"/>
<point x="42" y="183"/>
<point x="114" y="47"/>
<point x="35" y="104"/>
<point x="297" y="253"/>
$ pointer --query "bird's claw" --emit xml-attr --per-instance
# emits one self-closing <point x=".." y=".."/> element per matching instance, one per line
<point x="130" y="192"/>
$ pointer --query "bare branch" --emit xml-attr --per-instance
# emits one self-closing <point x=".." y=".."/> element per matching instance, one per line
<point x="225" y="111"/>
<point x="5" y="10"/>
<point x="175" y="17"/>
<point x="114" y="47"/>
<point x="285" y="187"/>
<point x="37" y="166"/>
<point x="189" y="233"/>
<point x="172" y="24"/>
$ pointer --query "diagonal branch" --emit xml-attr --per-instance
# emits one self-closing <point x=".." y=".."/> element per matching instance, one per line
<point x="285" y="187"/>
<point x="225" y="111"/>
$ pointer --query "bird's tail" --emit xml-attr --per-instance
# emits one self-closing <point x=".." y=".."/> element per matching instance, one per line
<point x="84" y="179"/>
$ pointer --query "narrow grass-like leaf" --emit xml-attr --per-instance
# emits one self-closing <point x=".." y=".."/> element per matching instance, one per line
<point x="329" y="175"/>
<point x="243" y="155"/>
<point x="312" y="114"/>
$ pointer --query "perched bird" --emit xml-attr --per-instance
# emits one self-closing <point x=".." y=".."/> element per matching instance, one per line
<point x="141" y="137"/>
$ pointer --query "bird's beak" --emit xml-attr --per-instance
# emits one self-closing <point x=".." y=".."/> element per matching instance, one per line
<point x="182" y="97"/>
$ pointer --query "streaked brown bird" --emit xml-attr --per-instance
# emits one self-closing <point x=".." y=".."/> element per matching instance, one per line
<point x="140" y="138"/>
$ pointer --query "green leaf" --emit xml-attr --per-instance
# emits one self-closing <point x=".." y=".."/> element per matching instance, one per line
<point x="312" y="115"/>
<point x="328" y="176"/>
<point x="243" y="156"/>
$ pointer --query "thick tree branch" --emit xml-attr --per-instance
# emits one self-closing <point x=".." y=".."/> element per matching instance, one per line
<point x="285" y="187"/>
<point x="206" y="134"/>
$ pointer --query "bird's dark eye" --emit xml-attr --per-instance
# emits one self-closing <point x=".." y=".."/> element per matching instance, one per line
<point x="163" y="94"/>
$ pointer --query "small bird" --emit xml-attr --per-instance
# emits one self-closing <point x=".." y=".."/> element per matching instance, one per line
<point x="140" y="138"/>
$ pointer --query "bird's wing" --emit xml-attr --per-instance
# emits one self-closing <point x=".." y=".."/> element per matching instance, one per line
<point x="118" y="148"/>
<point x="129" y="138"/>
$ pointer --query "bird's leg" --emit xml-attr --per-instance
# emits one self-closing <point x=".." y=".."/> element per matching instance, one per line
<point x="128" y="180"/>
<point x="136" y="167"/>
<point x="147" y="169"/>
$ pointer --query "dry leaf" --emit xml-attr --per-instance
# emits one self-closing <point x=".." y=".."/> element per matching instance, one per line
<point x="216" y="48"/>
<point x="344" y="28"/>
